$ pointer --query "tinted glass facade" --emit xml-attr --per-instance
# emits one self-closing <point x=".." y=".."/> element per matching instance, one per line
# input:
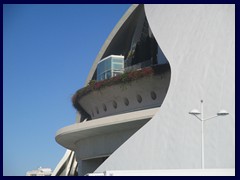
<point x="109" y="67"/>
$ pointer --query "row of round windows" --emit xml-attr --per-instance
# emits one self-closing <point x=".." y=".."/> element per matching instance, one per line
<point x="126" y="102"/>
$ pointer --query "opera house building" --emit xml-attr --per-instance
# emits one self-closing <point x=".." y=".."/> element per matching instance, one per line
<point x="159" y="98"/>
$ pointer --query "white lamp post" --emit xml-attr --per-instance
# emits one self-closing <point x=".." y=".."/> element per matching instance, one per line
<point x="196" y="112"/>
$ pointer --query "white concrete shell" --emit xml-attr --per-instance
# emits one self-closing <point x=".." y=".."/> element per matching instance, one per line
<point x="199" y="43"/>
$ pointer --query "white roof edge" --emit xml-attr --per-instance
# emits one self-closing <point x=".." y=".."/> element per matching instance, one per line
<point x="117" y="56"/>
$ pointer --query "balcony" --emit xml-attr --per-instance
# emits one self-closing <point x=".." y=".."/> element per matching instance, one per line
<point x="101" y="137"/>
<point x="132" y="91"/>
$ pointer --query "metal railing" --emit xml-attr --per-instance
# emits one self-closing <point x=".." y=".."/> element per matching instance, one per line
<point x="138" y="66"/>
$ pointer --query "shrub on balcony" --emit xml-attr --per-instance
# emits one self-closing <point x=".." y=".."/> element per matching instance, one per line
<point x="123" y="78"/>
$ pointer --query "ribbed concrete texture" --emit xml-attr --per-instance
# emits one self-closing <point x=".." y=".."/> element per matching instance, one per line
<point x="199" y="43"/>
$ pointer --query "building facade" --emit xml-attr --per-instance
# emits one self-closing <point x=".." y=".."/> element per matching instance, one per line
<point x="175" y="57"/>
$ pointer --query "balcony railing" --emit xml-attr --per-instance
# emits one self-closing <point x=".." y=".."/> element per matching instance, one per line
<point x="138" y="66"/>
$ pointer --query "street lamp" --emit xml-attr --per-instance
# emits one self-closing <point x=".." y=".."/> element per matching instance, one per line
<point x="196" y="112"/>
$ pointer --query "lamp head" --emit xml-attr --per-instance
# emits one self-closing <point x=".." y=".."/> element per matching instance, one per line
<point x="222" y="113"/>
<point x="194" y="112"/>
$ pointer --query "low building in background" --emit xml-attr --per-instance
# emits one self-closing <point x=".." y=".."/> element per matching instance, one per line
<point x="40" y="172"/>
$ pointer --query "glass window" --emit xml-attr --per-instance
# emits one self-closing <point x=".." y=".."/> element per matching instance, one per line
<point x="117" y="66"/>
<point x="102" y="76"/>
<point x="107" y="65"/>
<point x="108" y="74"/>
<point x="117" y="60"/>
<point x="100" y="68"/>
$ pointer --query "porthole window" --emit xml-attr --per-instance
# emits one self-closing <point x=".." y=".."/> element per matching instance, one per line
<point x="104" y="107"/>
<point x="114" y="104"/>
<point x="153" y="95"/>
<point x="126" y="101"/>
<point x="139" y="98"/>
<point x="97" y="110"/>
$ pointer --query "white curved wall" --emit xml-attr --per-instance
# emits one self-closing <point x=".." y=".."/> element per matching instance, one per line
<point x="199" y="43"/>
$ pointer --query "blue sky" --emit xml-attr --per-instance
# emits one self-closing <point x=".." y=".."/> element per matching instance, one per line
<point x="48" y="51"/>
